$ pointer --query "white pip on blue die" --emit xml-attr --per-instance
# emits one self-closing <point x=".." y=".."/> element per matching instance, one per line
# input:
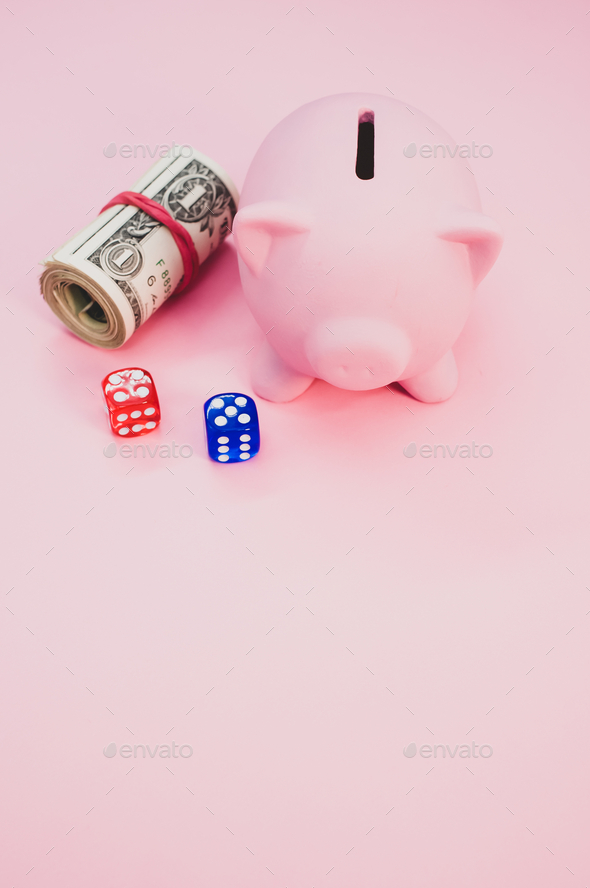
<point x="231" y="426"/>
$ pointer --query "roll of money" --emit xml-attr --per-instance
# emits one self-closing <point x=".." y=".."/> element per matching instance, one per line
<point x="112" y="276"/>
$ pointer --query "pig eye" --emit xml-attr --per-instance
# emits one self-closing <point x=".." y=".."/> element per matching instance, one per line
<point x="365" y="150"/>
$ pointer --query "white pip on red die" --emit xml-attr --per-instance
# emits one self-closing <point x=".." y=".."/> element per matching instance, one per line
<point x="132" y="402"/>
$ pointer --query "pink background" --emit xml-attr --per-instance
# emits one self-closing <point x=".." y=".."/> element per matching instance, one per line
<point x="300" y="619"/>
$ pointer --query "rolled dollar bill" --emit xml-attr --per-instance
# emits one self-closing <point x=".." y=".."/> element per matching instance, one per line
<point x="112" y="276"/>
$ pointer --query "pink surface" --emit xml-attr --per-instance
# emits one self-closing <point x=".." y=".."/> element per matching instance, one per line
<point x="301" y="619"/>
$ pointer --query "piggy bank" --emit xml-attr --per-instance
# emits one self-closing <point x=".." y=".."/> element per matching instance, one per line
<point x="361" y="240"/>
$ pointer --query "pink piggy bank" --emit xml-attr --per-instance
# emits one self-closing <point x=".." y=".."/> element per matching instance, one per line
<point x="360" y="252"/>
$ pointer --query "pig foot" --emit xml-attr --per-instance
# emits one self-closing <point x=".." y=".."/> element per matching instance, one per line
<point x="274" y="380"/>
<point x="436" y="384"/>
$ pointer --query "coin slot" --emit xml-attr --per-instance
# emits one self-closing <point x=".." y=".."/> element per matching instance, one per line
<point x="365" y="151"/>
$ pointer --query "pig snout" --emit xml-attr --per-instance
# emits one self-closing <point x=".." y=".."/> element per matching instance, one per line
<point x="358" y="353"/>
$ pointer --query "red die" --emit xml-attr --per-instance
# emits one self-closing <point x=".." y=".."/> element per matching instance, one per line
<point x="132" y="402"/>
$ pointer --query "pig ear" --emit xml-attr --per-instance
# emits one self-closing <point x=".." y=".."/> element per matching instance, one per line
<point x="480" y="234"/>
<point x="256" y="227"/>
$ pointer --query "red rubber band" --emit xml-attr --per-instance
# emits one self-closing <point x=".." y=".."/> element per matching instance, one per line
<point x="182" y="239"/>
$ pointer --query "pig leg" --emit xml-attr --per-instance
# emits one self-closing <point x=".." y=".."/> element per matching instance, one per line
<point x="436" y="384"/>
<point x="274" y="380"/>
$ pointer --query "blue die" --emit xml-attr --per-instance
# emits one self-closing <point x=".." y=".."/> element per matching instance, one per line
<point x="231" y="424"/>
